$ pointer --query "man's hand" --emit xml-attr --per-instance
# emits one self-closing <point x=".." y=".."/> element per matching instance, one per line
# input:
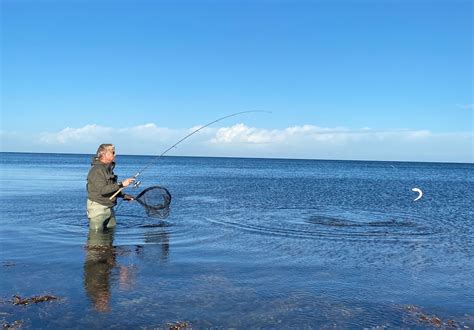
<point x="127" y="182"/>
<point x="128" y="198"/>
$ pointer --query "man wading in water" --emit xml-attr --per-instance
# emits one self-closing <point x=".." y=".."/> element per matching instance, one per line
<point x="101" y="185"/>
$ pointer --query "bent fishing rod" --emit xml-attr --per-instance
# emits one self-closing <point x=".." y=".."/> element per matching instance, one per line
<point x="174" y="146"/>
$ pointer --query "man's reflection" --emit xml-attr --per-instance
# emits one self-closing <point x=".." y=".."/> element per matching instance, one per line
<point x="101" y="264"/>
<point x="100" y="260"/>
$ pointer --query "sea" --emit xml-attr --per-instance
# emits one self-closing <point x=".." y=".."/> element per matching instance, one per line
<point x="248" y="243"/>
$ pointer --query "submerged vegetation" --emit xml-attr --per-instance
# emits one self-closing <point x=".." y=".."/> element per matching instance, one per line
<point x="430" y="320"/>
<point x="17" y="300"/>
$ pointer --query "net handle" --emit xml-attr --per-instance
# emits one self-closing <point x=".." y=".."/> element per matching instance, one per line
<point x="116" y="193"/>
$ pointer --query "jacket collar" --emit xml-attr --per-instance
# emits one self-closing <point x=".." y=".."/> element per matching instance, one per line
<point x="97" y="162"/>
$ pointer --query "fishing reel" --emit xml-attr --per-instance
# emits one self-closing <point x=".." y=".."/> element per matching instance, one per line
<point x="137" y="184"/>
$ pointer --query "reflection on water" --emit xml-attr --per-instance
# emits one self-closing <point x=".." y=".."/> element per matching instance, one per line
<point x="98" y="266"/>
<point x="102" y="270"/>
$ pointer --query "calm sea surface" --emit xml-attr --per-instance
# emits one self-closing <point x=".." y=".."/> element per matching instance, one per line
<point x="249" y="243"/>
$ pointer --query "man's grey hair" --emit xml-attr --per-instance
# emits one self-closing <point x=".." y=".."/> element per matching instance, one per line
<point x="103" y="148"/>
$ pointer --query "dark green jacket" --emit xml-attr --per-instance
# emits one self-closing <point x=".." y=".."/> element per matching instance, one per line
<point x="102" y="183"/>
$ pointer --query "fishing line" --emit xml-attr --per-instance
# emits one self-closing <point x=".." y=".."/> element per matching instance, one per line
<point x="192" y="133"/>
<point x="153" y="161"/>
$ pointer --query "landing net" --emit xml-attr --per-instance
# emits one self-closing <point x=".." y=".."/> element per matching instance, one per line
<point x="156" y="201"/>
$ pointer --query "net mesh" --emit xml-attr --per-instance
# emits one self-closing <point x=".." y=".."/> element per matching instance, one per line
<point x="156" y="201"/>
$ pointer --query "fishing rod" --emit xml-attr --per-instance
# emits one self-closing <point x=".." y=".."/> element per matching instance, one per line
<point x="174" y="146"/>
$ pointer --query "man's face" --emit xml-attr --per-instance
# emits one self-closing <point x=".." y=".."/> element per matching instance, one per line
<point x="109" y="156"/>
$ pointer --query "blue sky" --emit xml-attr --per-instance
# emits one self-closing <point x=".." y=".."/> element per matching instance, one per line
<point x="380" y="80"/>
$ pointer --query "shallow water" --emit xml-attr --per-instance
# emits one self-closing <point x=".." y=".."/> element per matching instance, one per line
<point x="248" y="243"/>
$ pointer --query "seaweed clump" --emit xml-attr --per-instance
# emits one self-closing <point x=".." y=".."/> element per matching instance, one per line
<point x="432" y="320"/>
<point x="17" y="300"/>
<point x="179" y="325"/>
<point x="15" y="325"/>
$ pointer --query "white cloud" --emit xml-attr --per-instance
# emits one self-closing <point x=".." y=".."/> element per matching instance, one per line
<point x="83" y="134"/>
<point x="240" y="133"/>
<point x="147" y="132"/>
<point x="240" y="140"/>
<point x="308" y="133"/>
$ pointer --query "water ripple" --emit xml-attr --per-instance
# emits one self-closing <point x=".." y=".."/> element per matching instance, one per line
<point x="331" y="224"/>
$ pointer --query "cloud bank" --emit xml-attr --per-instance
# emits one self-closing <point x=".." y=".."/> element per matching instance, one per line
<point x="240" y="140"/>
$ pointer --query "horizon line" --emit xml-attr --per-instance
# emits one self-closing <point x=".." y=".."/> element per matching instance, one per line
<point x="243" y="157"/>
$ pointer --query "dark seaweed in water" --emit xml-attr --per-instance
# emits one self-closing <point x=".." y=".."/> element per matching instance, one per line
<point x="17" y="300"/>
<point x="178" y="325"/>
<point x="431" y="320"/>
<point x="17" y="324"/>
